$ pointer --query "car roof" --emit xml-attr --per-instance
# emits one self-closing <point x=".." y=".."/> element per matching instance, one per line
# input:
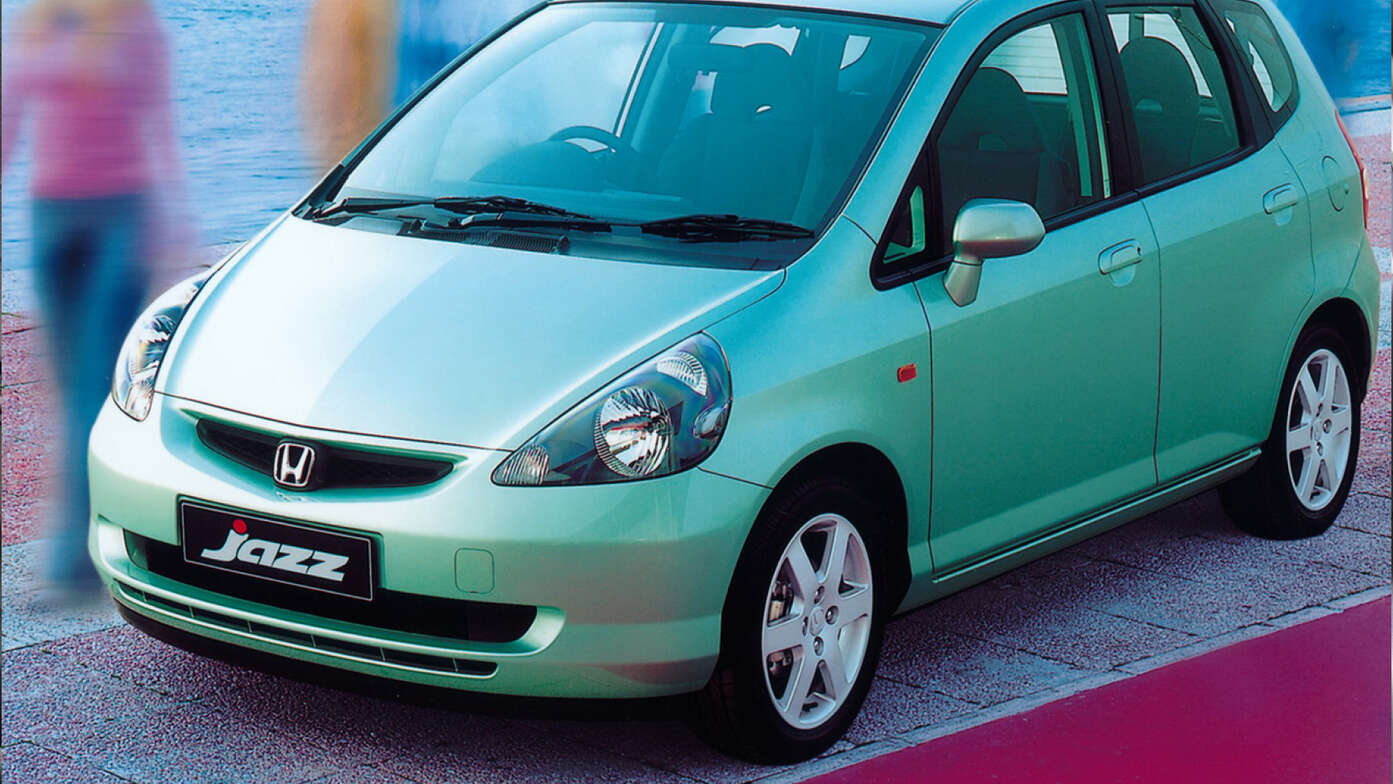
<point x="932" y="11"/>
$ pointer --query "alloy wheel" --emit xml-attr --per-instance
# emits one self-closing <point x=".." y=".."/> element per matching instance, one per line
<point x="817" y="621"/>
<point x="1319" y="428"/>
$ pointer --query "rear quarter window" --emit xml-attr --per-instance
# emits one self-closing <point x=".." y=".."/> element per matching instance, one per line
<point x="1264" y="53"/>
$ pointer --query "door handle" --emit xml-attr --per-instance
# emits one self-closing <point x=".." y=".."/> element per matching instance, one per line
<point x="1280" y="198"/>
<point x="1119" y="256"/>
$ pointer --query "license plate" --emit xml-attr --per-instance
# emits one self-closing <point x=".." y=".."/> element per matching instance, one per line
<point x="276" y="550"/>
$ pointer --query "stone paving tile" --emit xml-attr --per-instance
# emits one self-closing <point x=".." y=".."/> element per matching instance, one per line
<point x="1259" y="568"/>
<point x="26" y="616"/>
<point x="12" y="322"/>
<point x="22" y="469"/>
<point x="19" y="568"/>
<point x="190" y="742"/>
<point x="135" y="658"/>
<point x="1385" y="319"/>
<point x="54" y="701"/>
<point x="25" y="763"/>
<point x="1221" y="555"/>
<point x="1374" y="151"/>
<point x="502" y="752"/>
<point x="26" y="412"/>
<point x="22" y="357"/>
<point x="1201" y="606"/>
<point x="1371" y="514"/>
<point x="668" y="745"/>
<point x="1010" y="615"/>
<point x="9" y="643"/>
<point x="26" y="613"/>
<point x="894" y="708"/>
<point x="363" y="774"/>
<point x="1346" y="548"/>
<point x="1372" y="475"/>
<point x="355" y="729"/>
<point x="967" y="669"/>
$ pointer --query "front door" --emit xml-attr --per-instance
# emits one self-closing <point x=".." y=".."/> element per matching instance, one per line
<point x="1044" y="405"/>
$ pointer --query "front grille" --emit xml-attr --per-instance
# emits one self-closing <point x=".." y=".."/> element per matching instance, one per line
<point x="335" y="467"/>
<point x="458" y="619"/>
<point x="373" y="653"/>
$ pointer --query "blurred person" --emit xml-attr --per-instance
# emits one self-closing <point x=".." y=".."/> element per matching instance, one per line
<point x="92" y="78"/>
<point x="363" y="58"/>
<point x="1333" y="34"/>
<point x="347" y="73"/>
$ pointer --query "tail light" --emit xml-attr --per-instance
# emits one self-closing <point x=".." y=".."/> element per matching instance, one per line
<point x="1363" y="172"/>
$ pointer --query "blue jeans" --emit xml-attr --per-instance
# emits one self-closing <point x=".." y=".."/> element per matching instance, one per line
<point x="90" y="280"/>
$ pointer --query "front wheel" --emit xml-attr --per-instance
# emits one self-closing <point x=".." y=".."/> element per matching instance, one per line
<point x="802" y="628"/>
<point x="1307" y="466"/>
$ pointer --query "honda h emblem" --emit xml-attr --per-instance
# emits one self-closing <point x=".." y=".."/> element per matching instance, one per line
<point x="294" y="464"/>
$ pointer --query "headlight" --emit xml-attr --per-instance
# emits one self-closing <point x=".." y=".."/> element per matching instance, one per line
<point x="133" y="385"/>
<point x="665" y="416"/>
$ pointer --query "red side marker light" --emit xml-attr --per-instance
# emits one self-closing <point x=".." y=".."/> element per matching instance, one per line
<point x="907" y="373"/>
<point x="239" y="525"/>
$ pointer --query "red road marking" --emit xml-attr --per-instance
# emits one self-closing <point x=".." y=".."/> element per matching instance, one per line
<point x="1303" y="705"/>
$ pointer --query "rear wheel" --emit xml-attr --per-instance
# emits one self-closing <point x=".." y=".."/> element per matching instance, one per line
<point x="802" y="628"/>
<point x="1307" y="466"/>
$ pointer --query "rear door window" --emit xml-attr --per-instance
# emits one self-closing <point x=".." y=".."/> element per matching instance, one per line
<point x="1176" y="91"/>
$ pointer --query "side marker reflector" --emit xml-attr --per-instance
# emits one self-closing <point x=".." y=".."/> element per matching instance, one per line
<point x="907" y="373"/>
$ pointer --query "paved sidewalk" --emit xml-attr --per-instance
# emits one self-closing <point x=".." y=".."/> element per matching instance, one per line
<point x="88" y="699"/>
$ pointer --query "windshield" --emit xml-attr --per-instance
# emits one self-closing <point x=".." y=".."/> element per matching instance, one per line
<point x="641" y="112"/>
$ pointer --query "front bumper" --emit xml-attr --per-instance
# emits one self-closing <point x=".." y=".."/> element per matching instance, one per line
<point x="628" y="580"/>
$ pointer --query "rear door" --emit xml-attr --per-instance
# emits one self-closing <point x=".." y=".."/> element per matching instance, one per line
<point x="1233" y="223"/>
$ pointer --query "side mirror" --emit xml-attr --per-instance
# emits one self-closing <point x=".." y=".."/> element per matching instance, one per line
<point x="988" y="229"/>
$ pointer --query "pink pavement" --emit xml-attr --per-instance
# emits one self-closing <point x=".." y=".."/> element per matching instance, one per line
<point x="1306" y="704"/>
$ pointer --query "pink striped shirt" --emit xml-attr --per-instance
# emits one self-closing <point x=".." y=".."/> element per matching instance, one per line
<point x="102" y="120"/>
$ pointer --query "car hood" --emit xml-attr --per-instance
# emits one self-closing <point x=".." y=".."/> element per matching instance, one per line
<point x="361" y="332"/>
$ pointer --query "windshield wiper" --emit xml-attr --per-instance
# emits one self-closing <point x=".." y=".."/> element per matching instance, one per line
<point x="542" y="220"/>
<point x="724" y="228"/>
<point x="462" y="205"/>
<point x="354" y="205"/>
<point x="477" y="205"/>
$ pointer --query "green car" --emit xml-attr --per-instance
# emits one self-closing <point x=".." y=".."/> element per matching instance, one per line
<point x="662" y="348"/>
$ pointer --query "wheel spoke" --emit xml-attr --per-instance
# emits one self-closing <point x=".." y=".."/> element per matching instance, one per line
<point x="1327" y="382"/>
<point x="835" y="563"/>
<point x="1341" y="421"/>
<point x="1306" y="390"/>
<point x="799" y="685"/>
<point x="854" y="605"/>
<point x="783" y="635"/>
<point x="804" y="577"/>
<point x="834" y="674"/>
<point x="1309" y="468"/>
<point x="1299" y="440"/>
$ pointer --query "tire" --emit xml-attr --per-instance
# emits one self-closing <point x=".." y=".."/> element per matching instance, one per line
<point x="1279" y="499"/>
<point x="748" y="709"/>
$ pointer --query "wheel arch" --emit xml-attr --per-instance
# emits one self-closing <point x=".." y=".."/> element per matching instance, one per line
<point x="875" y="474"/>
<point x="1347" y="318"/>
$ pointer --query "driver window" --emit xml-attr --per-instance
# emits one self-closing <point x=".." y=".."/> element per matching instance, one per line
<point x="1027" y="126"/>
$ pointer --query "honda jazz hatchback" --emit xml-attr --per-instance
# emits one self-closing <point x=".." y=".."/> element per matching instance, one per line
<point x="662" y="348"/>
